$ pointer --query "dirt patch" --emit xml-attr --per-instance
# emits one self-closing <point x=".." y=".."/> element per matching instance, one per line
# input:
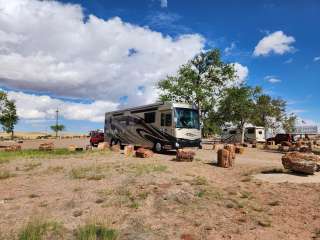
<point x="156" y="198"/>
<point x="288" y="177"/>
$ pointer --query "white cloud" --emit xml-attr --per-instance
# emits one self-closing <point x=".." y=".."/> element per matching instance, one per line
<point x="57" y="53"/>
<point x="164" y="3"/>
<point x="242" y="72"/>
<point x="276" y="42"/>
<point x="316" y="59"/>
<point x="272" y="79"/>
<point x="30" y="106"/>
<point x="229" y="49"/>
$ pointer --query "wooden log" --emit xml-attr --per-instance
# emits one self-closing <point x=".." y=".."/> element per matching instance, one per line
<point x="208" y="146"/>
<point x="115" y="148"/>
<point x="231" y="149"/>
<point x="12" y="148"/>
<point x="286" y="144"/>
<point x="128" y="150"/>
<point x="239" y="150"/>
<point x="46" y="146"/>
<point x="103" y="146"/>
<point x="185" y="155"/>
<point x="144" y="153"/>
<point x="225" y="159"/>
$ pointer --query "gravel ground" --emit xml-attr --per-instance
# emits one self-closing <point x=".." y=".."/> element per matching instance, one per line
<point x="158" y="198"/>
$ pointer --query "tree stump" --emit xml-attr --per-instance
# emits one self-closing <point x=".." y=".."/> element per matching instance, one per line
<point x="225" y="159"/>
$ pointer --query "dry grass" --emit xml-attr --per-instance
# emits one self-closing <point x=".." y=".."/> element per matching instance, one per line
<point x="40" y="229"/>
<point x="90" y="173"/>
<point x="5" y="174"/>
<point x="142" y="169"/>
<point x="95" y="231"/>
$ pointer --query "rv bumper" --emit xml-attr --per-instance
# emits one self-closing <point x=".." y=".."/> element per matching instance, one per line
<point x="182" y="143"/>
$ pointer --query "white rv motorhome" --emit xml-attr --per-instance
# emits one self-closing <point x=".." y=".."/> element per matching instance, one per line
<point x="251" y="134"/>
<point x="159" y="126"/>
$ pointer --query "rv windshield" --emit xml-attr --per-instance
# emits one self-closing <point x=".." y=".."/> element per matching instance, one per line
<point x="186" y="118"/>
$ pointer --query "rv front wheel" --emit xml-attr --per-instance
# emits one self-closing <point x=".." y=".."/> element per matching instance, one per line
<point x="158" y="147"/>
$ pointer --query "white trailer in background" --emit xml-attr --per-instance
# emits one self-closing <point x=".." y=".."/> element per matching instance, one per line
<point x="251" y="134"/>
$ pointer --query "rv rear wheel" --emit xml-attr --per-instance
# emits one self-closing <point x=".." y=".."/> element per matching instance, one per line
<point x="113" y="142"/>
<point x="158" y="147"/>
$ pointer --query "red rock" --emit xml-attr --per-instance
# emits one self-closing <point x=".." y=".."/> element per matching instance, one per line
<point x="186" y="237"/>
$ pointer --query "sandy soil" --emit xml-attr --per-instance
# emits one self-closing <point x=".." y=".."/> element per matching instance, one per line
<point x="158" y="198"/>
<point x="58" y="143"/>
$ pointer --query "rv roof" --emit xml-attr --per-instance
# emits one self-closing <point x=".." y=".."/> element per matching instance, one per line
<point x="158" y="104"/>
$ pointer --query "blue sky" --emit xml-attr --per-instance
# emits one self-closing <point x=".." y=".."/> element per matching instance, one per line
<point x="290" y="70"/>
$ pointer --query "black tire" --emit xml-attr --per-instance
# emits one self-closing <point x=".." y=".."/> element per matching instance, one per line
<point x="158" y="148"/>
<point x="113" y="142"/>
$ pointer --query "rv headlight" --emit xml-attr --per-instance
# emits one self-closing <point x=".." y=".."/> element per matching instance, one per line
<point x="177" y="144"/>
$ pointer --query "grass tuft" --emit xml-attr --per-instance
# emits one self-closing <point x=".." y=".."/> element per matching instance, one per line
<point x="39" y="229"/>
<point x="89" y="173"/>
<point x="33" y="153"/>
<point x="95" y="231"/>
<point x="5" y="174"/>
<point x="142" y="169"/>
<point x="199" y="180"/>
<point x="31" y="165"/>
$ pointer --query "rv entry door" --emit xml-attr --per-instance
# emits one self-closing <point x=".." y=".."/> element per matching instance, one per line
<point x="166" y="121"/>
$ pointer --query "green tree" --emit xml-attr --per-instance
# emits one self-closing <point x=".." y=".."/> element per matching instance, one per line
<point x="238" y="106"/>
<point x="289" y="122"/>
<point x="268" y="111"/>
<point x="57" y="128"/>
<point x="199" y="82"/>
<point x="8" y="114"/>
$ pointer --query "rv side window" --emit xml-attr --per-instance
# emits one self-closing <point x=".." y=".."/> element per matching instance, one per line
<point x="260" y="132"/>
<point x="166" y="119"/>
<point x="233" y="132"/>
<point x="250" y="130"/>
<point x="150" y="117"/>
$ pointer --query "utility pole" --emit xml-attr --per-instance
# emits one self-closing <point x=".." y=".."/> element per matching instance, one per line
<point x="57" y="122"/>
